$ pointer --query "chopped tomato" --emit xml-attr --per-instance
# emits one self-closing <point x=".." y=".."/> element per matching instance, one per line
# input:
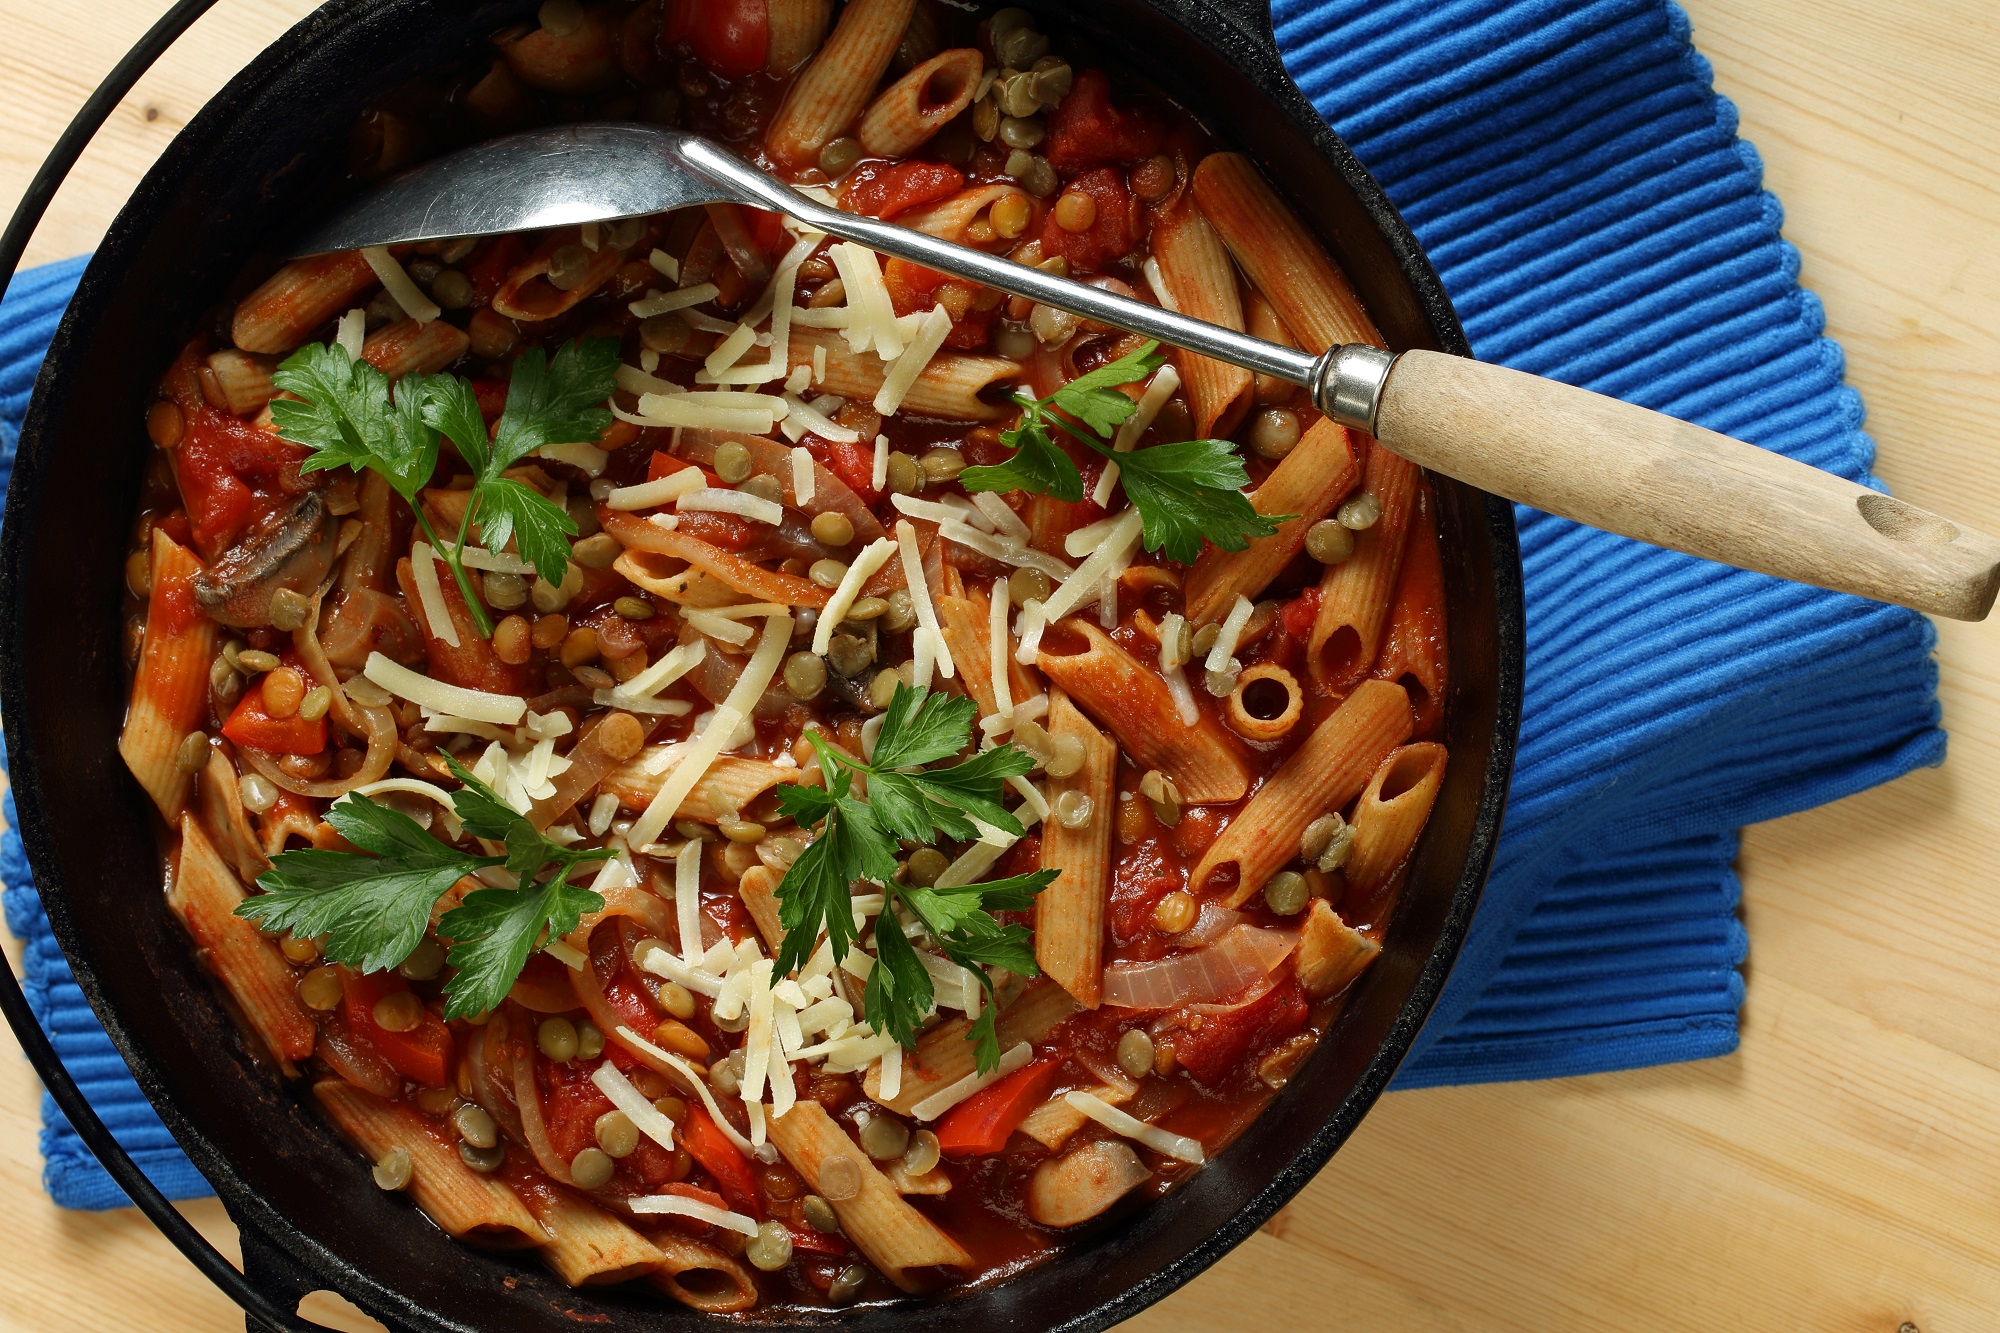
<point x="811" y="1240"/>
<point x="1210" y="1044"/>
<point x="664" y="464"/>
<point x="1111" y="235"/>
<point x="767" y="229"/>
<point x="1085" y="130"/>
<point x="853" y="464"/>
<point x="423" y="1054"/>
<point x="912" y="287"/>
<point x="177" y="526"/>
<point x="731" y="37"/>
<point x="980" y="1125"/>
<point x="884" y="189"/>
<point x="1298" y="615"/>
<point x="723" y="1160"/>
<point x="731" y="532"/>
<point x="251" y="724"/>
<point x="218" y="502"/>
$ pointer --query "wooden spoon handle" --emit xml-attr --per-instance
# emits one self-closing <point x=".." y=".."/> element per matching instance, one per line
<point x="1642" y="474"/>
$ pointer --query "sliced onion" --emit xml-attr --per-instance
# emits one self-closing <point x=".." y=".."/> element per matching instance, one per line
<point x="381" y="731"/>
<point x="528" y="1100"/>
<point x="1243" y="955"/>
<point x="355" y="1060"/>
<point x="1214" y="922"/>
<point x="492" y="1075"/>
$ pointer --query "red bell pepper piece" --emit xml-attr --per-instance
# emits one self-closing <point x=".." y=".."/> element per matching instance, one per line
<point x="980" y="1125"/>
<point x="723" y="1160"/>
<point x="422" y="1055"/>
<point x="251" y="724"/>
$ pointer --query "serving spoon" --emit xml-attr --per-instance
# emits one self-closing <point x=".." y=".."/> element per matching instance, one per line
<point x="1558" y="448"/>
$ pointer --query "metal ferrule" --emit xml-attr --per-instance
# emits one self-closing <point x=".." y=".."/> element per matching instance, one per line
<point x="1347" y="384"/>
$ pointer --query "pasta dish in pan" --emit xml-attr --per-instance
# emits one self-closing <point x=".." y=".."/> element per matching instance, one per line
<point x="727" y="763"/>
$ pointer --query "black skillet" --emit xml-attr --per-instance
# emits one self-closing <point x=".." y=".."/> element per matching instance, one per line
<point x="244" y="175"/>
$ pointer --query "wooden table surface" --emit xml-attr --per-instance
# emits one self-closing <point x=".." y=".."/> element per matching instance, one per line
<point x="1841" y="1172"/>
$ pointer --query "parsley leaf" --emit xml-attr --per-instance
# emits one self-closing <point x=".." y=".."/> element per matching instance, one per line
<point x="351" y="417"/>
<point x="494" y="931"/>
<point x="856" y="843"/>
<point x="1191" y="490"/>
<point x="369" y="911"/>
<point x="985" y="1040"/>
<point x="372" y="907"/>
<point x="1184" y="492"/>
<point x="1038" y="465"/>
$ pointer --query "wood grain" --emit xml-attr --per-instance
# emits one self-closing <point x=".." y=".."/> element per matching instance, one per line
<point x="1646" y="475"/>
<point x="1838" y="1174"/>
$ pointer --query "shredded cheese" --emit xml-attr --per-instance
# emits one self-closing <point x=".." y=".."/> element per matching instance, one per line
<point x="999" y="648"/>
<point x="423" y="571"/>
<point x="802" y="473"/>
<point x="401" y="288"/>
<point x="660" y="303"/>
<point x="687" y="900"/>
<point x="1002" y="516"/>
<point x="872" y="558"/>
<point x="920" y="596"/>
<point x="1118" y="1122"/>
<point x="930" y="511"/>
<point x="891" y="1074"/>
<point x="1033" y="622"/>
<point x="715" y="500"/>
<point x="721" y="728"/>
<point x="902" y="376"/>
<point x="643" y="381"/>
<point x="730" y="350"/>
<point x="678" y="1205"/>
<point x="880" y="476"/>
<point x="811" y="421"/>
<point x="1158" y="390"/>
<point x="1230" y="634"/>
<point x="1121" y="543"/>
<point x="698" y="1083"/>
<point x="1090" y="536"/>
<point x="868" y="296"/>
<point x="670" y="668"/>
<point x="757" y="1040"/>
<point x="417" y="787"/>
<point x="352" y="333"/>
<point x="980" y="857"/>
<point x="428" y="692"/>
<point x="633" y="1103"/>
<point x="819" y="363"/>
<point x="665" y="265"/>
<point x="1157" y="280"/>
<point x="1031" y="795"/>
<point x="663" y="964"/>
<point x="935" y="1105"/>
<point x="1001" y="549"/>
<point x="586" y="458"/>
<point x="651" y="494"/>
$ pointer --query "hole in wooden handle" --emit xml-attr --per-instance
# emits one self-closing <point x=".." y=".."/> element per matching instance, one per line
<point x="1905" y="522"/>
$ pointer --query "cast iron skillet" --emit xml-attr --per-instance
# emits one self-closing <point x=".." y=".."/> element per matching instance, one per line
<point x="242" y="175"/>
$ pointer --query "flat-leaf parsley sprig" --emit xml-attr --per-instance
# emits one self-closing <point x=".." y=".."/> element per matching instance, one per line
<point x="369" y="909"/>
<point x="350" y="415"/>
<point x="1184" y="492"/>
<point x="857" y="841"/>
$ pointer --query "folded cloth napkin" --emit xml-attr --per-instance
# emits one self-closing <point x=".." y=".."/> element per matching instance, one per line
<point x="1595" y="218"/>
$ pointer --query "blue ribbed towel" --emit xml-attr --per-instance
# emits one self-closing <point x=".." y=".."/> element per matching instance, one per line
<point x="1596" y="219"/>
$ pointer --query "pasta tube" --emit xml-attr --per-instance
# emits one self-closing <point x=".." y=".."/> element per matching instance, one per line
<point x="826" y="98"/>
<point x="1331" y="952"/>
<point x="170" y="688"/>
<point x="1390" y="815"/>
<point x="1310" y="481"/>
<point x="1198" y="274"/>
<point x="1069" y="913"/>
<point x="1354" y="595"/>
<point x="921" y="103"/>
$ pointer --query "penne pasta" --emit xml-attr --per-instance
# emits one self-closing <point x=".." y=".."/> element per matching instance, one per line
<point x="827" y="97"/>
<point x="1285" y="262"/>
<point x="204" y="895"/>
<point x="728" y="786"/>
<point x="944" y="1056"/>
<point x="528" y="294"/>
<point x="1310" y="481"/>
<point x="1199" y="276"/>
<point x="1414" y="651"/>
<point x="1354" y="595"/>
<point x="462" y="1202"/>
<point x="896" y="1238"/>
<point x="1265" y="705"/>
<point x="1206" y="763"/>
<point x="588" y="1247"/>
<point x="949" y="219"/>
<point x="759" y="890"/>
<point x="1326" y="772"/>
<point x="702" y="1277"/>
<point x="966" y="624"/>
<point x="241" y="379"/>
<point x="921" y="103"/>
<point x="409" y="348"/>
<point x="170" y="688"/>
<point x="1069" y="913"/>
<point x="1390" y="816"/>
<point x="949" y="386"/>
<point x="286" y="307"/>
<point x="1331" y="952"/>
<point x="1053" y="1122"/>
<point x="1265" y="323"/>
<point x="795" y="28"/>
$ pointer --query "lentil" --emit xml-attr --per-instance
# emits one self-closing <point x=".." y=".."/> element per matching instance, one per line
<point x="289" y="610"/>
<point x="883" y="1138"/>
<point x="616" y="1134"/>
<point x="732" y="462"/>
<point x="633" y="608"/>
<point x="320" y="989"/>
<point x="1274" y="432"/>
<point x="1176" y="912"/>
<point x="925" y="865"/>
<point x="297" y="950"/>
<point x="677" y="999"/>
<point x="805" y="675"/>
<point x="475" y="1125"/>
<point x="1360" y="512"/>
<point x="512" y="640"/>
<point x="483" y="1160"/>
<point x="392" y="1170"/>
<point x="1073" y="809"/>
<point x="1135" y="1053"/>
<point x="399" y="1011"/>
<point x="1286" y="894"/>
<point x="556" y="1039"/>
<point x="425" y="961"/>
<point x="283" y="691"/>
<point x="840" y="155"/>
<point x="771" y="1248"/>
<point x="316" y="703"/>
<point x="1329" y="541"/>
<point x="591" y="1169"/>
<point x="832" y="528"/>
<point x="1075" y="211"/>
<point x="192" y="756"/>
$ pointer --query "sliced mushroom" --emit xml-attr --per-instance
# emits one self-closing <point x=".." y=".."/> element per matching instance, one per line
<point x="293" y="549"/>
<point x="1076" y="1187"/>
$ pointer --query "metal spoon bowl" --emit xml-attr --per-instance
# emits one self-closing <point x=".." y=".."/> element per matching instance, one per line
<point x="1550" y="445"/>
